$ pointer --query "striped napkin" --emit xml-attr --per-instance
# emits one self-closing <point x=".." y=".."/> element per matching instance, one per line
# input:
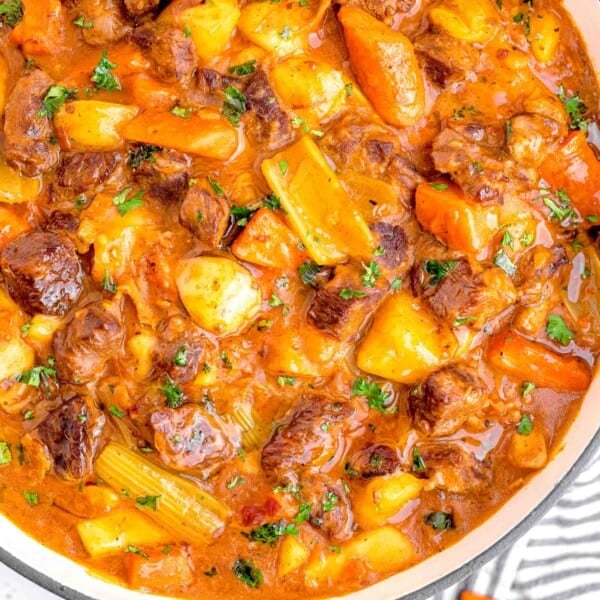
<point x="559" y="559"/>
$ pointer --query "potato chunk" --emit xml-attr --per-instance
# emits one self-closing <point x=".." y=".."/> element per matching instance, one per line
<point x="528" y="451"/>
<point x="470" y="21"/>
<point x="220" y="295"/>
<point x="545" y="36"/>
<point x="292" y="555"/>
<point x="405" y="342"/>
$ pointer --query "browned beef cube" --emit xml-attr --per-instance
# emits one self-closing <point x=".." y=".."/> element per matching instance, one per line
<point x="205" y="215"/>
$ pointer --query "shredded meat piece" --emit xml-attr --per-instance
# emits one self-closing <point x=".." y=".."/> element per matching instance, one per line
<point x="141" y="7"/>
<point x="110" y="24"/>
<point x="384" y="10"/>
<point x="166" y="176"/>
<point x="205" y="215"/>
<point x="373" y="460"/>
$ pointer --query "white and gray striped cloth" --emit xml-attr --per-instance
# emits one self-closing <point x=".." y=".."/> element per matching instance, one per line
<point x="559" y="559"/>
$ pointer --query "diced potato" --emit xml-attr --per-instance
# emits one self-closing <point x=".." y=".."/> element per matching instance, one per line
<point x="210" y="25"/>
<point x="373" y="197"/>
<point x="220" y="295"/>
<point x="405" y="342"/>
<point x="15" y="355"/>
<point x="383" y="550"/>
<point x="313" y="89"/>
<point x="383" y="497"/>
<point x="112" y="533"/>
<point x="100" y="497"/>
<point x="92" y="124"/>
<point x="4" y="77"/>
<point x="318" y="208"/>
<point x="41" y="331"/>
<point x="141" y="347"/>
<point x="281" y="27"/>
<point x="15" y="187"/>
<point x="205" y="133"/>
<point x="469" y="20"/>
<point x="292" y="555"/>
<point x="544" y="36"/>
<point x="528" y="451"/>
<point x="309" y="352"/>
<point x="11" y="225"/>
<point x="159" y="570"/>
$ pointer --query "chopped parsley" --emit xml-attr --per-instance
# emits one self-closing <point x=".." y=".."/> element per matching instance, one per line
<point x="418" y="464"/>
<point x="557" y="330"/>
<point x="28" y="415"/>
<point x="272" y="201"/>
<point x="348" y="88"/>
<point x="102" y="76"/>
<point x="38" y="375"/>
<point x="527" y="238"/>
<point x="242" y="214"/>
<point x="508" y="130"/>
<point x="525" y="426"/>
<point x="142" y="153"/>
<point x="438" y="269"/>
<point x="108" y="283"/>
<point x="226" y="360"/>
<point x="503" y="261"/>
<point x="371" y="273"/>
<point x="243" y="69"/>
<point x="217" y="189"/>
<point x="116" y="411"/>
<point x="459" y="321"/>
<point x="234" y="106"/>
<point x="5" y="453"/>
<point x="149" y="501"/>
<point x="283" y="380"/>
<point x="507" y="239"/>
<point x="330" y="501"/>
<point x="290" y="488"/>
<point x="182" y="112"/>
<point x="25" y="329"/>
<point x="236" y="480"/>
<point x="575" y="108"/>
<point x="11" y="12"/>
<point x="396" y="283"/>
<point x="81" y="22"/>
<point x="439" y="187"/>
<point x="269" y="533"/>
<point x="135" y="550"/>
<point x="561" y="212"/>
<point x="180" y="358"/>
<point x="376" y="397"/>
<point x="439" y="520"/>
<point x="173" y="393"/>
<point x="348" y="294"/>
<point x="31" y="497"/>
<point x="246" y="572"/>
<point x="124" y="205"/>
<point x="303" y="513"/>
<point x="308" y="272"/>
<point x="283" y="166"/>
<point x="55" y="97"/>
<point x="527" y="388"/>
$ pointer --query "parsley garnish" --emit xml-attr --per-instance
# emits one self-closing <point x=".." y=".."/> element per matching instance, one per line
<point x="557" y="330"/>
<point x="108" y="283"/>
<point x="81" y="22"/>
<point x="303" y="513"/>
<point x="116" y="411"/>
<point x="31" y="497"/>
<point x="271" y="201"/>
<point x="575" y="109"/>
<point x="439" y="520"/>
<point x="527" y="388"/>
<point x="283" y="380"/>
<point x="269" y="533"/>
<point x="376" y="397"/>
<point x="562" y="211"/>
<point x="149" y="501"/>
<point x="527" y="238"/>
<point x="242" y="214"/>
<point x="123" y="205"/>
<point x="234" y="106"/>
<point x="226" y="360"/>
<point x="144" y="152"/>
<point x="525" y="426"/>
<point x="459" y="321"/>
<point x="418" y="464"/>
<point x="244" y="69"/>
<point x="55" y="97"/>
<point x="102" y="76"/>
<point x="308" y="272"/>
<point x="507" y="239"/>
<point x="236" y="480"/>
<point x="11" y="12"/>
<point x="330" y="501"/>
<point x="502" y="260"/>
<point x="5" y="453"/>
<point x="246" y="572"/>
<point x="217" y="189"/>
<point x="439" y="187"/>
<point x="438" y="269"/>
<point x="371" y="273"/>
<point x="348" y="294"/>
<point x="173" y="393"/>
<point x="180" y="358"/>
<point x="38" y="375"/>
<point x="181" y="112"/>
<point x="135" y="550"/>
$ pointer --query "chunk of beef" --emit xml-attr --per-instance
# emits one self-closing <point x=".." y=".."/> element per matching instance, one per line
<point x="62" y="221"/>
<point x="178" y="336"/>
<point x="192" y="437"/>
<point x="166" y="176"/>
<point x="483" y="171"/>
<point x="266" y="122"/>
<point x="341" y="305"/>
<point x="84" y="173"/>
<point x="331" y="510"/>
<point x="205" y="215"/>
<point x="445" y="59"/>
<point x="72" y="434"/>
<point x="397" y="252"/>
<point x="88" y="343"/>
<point x="171" y="52"/>
<point x="533" y="137"/>
<point x="27" y="135"/>
<point x="43" y="272"/>
<point x="452" y="468"/>
<point x="301" y="442"/>
<point x="446" y="399"/>
<point x="406" y="177"/>
<point x="373" y="460"/>
<point x="141" y="7"/>
<point x="463" y="293"/>
<point x="384" y="10"/>
<point x="110" y="24"/>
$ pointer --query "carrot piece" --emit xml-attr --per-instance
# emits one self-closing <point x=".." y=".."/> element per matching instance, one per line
<point x="42" y="29"/>
<point x="461" y="223"/>
<point x="160" y="570"/>
<point x="268" y="242"/>
<point x="466" y="595"/>
<point x="204" y="133"/>
<point x="575" y="168"/>
<point x="530" y="361"/>
<point x="385" y="65"/>
<point x="148" y="92"/>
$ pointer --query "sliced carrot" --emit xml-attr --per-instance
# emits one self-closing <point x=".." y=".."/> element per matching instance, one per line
<point x="148" y="92"/>
<point x="42" y="29"/>
<point x="530" y="361"/>
<point x="385" y="66"/>
<point x="204" y="133"/>
<point x="158" y="570"/>
<point x="461" y="223"/>
<point x="575" y="168"/>
<point x="268" y="241"/>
